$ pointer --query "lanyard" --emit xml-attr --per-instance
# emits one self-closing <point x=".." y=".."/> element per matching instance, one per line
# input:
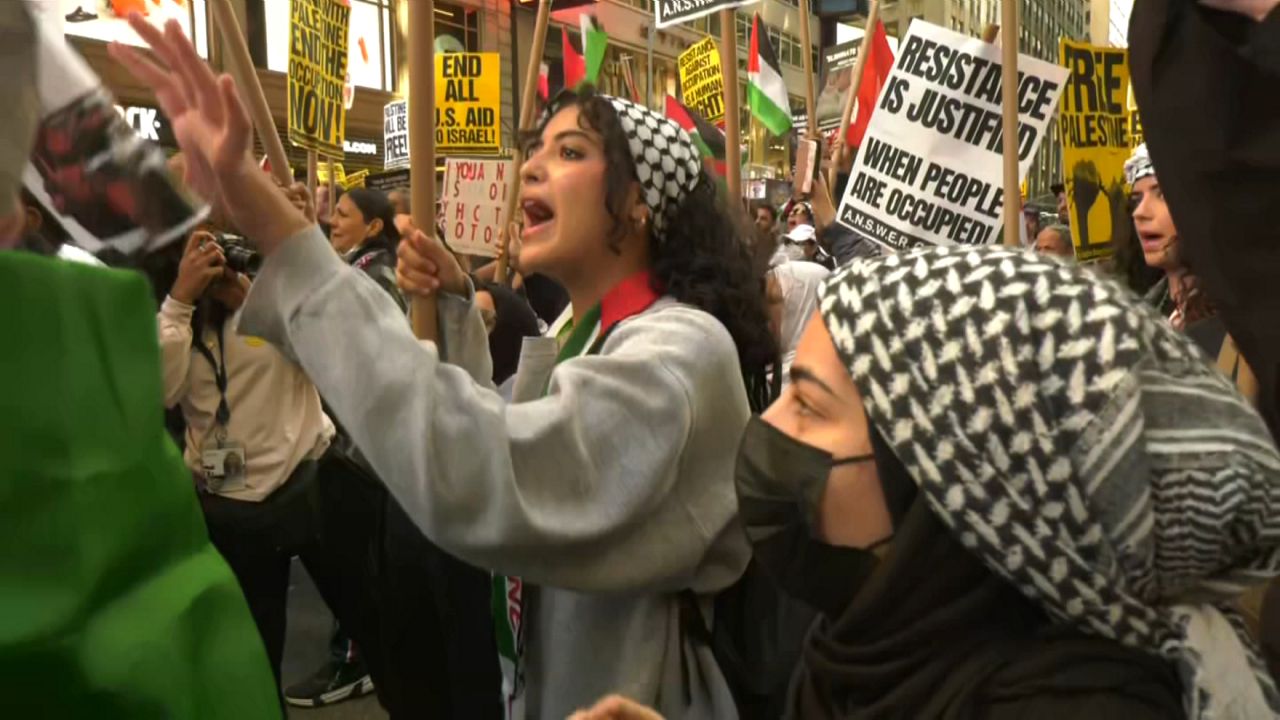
<point x="219" y="377"/>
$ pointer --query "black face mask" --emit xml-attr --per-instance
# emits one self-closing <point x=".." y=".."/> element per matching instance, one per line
<point x="780" y="483"/>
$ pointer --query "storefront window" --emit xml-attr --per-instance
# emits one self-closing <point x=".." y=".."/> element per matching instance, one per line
<point x="460" y="23"/>
<point x="107" y="21"/>
<point x="369" y="61"/>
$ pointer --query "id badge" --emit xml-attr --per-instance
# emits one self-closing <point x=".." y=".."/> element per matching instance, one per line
<point x="224" y="467"/>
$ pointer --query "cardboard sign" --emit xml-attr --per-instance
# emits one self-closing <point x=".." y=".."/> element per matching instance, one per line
<point x="1096" y="140"/>
<point x="930" y="170"/>
<point x="475" y="192"/>
<point x="395" y="135"/>
<point x="701" y="81"/>
<point x="317" y="73"/>
<point x="673" y="12"/>
<point x="837" y="76"/>
<point x="468" y="103"/>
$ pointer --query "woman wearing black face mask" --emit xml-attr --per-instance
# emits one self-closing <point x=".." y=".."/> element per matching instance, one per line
<point x="1006" y="485"/>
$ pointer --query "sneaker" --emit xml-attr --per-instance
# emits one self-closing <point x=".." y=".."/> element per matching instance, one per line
<point x="331" y="684"/>
<point x="80" y="15"/>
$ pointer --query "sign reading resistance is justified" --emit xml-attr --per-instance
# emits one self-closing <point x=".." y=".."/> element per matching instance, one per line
<point x="317" y="71"/>
<point x="468" y="103"/>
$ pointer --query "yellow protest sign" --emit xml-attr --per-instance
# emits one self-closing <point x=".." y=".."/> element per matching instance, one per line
<point x="1094" y="123"/>
<point x="701" y="82"/>
<point x="468" y="103"/>
<point x="339" y="174"/>
<point x="317" y="72"/>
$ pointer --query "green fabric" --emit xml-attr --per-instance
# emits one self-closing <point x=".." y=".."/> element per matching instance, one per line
<point x="113" y="604"/>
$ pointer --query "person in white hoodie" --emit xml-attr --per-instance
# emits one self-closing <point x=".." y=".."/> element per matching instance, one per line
<point x="606" y="485"/>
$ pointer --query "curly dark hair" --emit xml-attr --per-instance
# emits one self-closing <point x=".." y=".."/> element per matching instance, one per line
<point x="704" y="260"/>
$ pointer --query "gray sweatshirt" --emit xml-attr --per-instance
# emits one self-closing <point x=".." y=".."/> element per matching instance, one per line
<point x="611" y="494"/>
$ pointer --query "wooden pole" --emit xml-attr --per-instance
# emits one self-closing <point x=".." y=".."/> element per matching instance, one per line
<point x="422" y="141"/>
<point x="241" y="67"/>
<point x="333" y="184"/>
<point x="1009" y="87"/>
<point x="855" y="84"/>
<point x="733" y="136"/>
<point x="810" y="105"/>
<point x="313" y="170"/>
<point x="528" y="104"/>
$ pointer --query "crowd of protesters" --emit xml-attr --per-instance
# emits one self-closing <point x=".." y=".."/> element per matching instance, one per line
<point x="704" y="459"/>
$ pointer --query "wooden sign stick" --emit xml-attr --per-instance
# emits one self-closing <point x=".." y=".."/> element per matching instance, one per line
<point x="422" y="140"/>
<point x="528" y="104"/>
<point x="855" y="84"/>
<point x="732" y="135"/>
<point x="241" y="67"/>
<point x="313" y="170"/>
<point x="1009" y="88"/>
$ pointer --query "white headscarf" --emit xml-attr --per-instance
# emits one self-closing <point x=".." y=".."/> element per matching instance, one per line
<point x="798" y="282"/>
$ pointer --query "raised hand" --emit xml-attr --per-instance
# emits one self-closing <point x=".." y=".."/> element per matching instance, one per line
<point x="214" y="132"/>
<point x="209" y="121"/>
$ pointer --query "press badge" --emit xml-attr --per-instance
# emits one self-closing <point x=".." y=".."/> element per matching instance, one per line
<point x="224" y="467"/>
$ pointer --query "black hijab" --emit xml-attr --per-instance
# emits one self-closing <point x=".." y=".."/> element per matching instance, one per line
<point x="515" y="321"/>
<point x="935" y="634"/>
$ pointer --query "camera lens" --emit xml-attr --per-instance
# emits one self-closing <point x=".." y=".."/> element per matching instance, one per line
<point x="240" y="257"/>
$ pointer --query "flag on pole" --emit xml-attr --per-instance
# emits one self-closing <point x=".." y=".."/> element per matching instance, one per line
<point x="874" y="74"/>
<point x="707" y="137"/>
<point x="584" y="58"/>
<point x="766" y="92"/>
<point x="630" y="80"/>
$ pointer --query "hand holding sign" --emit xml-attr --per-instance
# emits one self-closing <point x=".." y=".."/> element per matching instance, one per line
<point x="425" y="266"/>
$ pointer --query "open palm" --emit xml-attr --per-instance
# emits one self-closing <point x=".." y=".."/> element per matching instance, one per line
<point x="209" y="121"/>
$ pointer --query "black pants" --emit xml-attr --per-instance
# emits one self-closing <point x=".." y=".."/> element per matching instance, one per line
<point x="419" y="616"/>
<point x="258" y="541"/>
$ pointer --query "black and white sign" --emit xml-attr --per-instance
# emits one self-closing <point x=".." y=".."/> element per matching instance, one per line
<point x="395" y="134"/>
<point x="930" y="169"/>
<point x="673" y="12"/>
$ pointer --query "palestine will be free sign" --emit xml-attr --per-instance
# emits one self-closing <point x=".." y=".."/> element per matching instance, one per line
<point x="1096" y="141"/>
<point x="930" y="169"/>
<point x="701" y="81"/>
<point x="317" y="71"/>
<point x="468" y="103"/>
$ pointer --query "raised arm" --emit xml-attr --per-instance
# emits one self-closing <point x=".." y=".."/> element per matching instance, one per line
<point x="575" y="490"/>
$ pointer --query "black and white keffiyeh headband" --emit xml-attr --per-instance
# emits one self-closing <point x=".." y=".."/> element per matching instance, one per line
<point x="1080" y="446"/>
<point x="1138" y="165"/>
<point x="668" y="165"/>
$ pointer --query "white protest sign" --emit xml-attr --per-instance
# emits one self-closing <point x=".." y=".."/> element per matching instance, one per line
<point x="395" y="135"/>
<point x="475" y="192"/>
<point x="929" y="171"/>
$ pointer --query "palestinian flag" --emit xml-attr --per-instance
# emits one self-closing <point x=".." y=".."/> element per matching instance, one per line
<point x="766" y="92"/>
<point x="707" y="137"/>
<point x="584" y="57"/>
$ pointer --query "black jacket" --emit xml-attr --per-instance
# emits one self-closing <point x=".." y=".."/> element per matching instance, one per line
<point x="377" y="259"/>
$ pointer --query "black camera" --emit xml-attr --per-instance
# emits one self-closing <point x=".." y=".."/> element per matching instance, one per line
<point x="241" y="257"/>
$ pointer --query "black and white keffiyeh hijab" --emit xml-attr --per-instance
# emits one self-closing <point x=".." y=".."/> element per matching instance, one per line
<point x="668" y="164"/>
<point x="1081" y="448"/>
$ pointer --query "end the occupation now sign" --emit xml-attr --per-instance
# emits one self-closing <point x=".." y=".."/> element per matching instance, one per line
<point x="930" y="169"/>
<point x="317" y="71"/>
